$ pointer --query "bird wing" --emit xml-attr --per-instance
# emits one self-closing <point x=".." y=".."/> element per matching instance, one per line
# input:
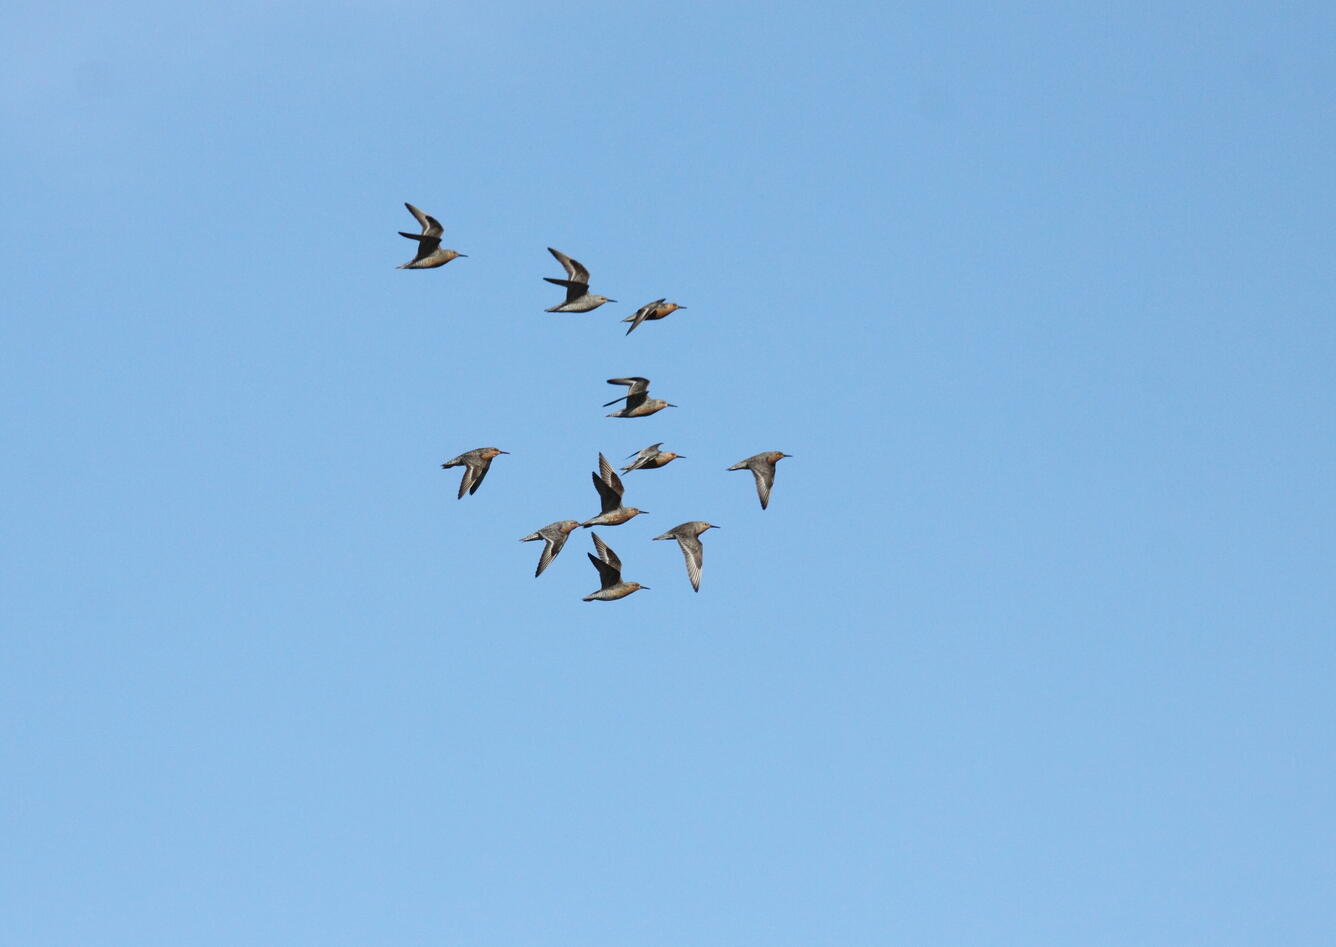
<point x="552" y="544"/>
<point x="466" y="482"/>
<point x="574" y="269"/>
<point x="607" y="575"/>
<point x="478" y="471"/>
<point x="635" y="383"/>
<point x="608" y="498"/>
<point x="643" y="456"/>
<point x="426" y="245"/>
<point x="642" y="313"/>
<point x="694" y="554"/>
<point x="609" y="476"/>
<point x="765" y="479"/>
<point x="605" y="552"/>
<point x="608" y="565"/>
<point x="431" y="227"/>
<point x="637" y="391"/>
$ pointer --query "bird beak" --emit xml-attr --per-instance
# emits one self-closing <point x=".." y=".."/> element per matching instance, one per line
<point x="681" y="456"/>
<point x="457" y="253"/>
<point x="503" y="452"/>
<point x="672" y="406"/>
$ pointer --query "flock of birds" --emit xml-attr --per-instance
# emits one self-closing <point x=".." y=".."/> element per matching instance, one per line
<point x="638" y="404"/>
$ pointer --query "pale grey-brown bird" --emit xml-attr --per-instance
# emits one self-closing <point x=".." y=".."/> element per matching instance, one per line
<point x="655" y="310"/>
<point x="476" y="463"/>
<point x="638" y="402"/>
<point x="429" y="253"/>
<point x="650" y="458"/>
<point x="762" y="467"/>
<point x="688" y="537"/>
<point x="609" y="575"/>
<point x="610" y="490"/>
<point x="554" y="536"/>
<point x="578" y="297"/>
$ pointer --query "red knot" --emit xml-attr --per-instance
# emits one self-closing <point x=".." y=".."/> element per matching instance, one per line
<point x="609" y="575"/>
<point x="554" y="536"/>
<point x="762" y="467"/>
<point x="688" y="537"/>
<point x="638" y="402"/>
<point x="650" y="458"/>
<point x="429" y="252"/>
<point x="655" y="310"/>
<point x="609" y="487"/>
<point x="476" y="463"/>
<point x="578" y="297"/>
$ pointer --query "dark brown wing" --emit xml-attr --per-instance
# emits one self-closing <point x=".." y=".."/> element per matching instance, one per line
<point x="574" y="269"/>
<point x="765" y="479"/>
<point x="431" y="227"/>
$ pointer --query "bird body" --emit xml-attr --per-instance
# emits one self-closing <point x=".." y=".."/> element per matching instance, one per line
<point x="429" y="253"/>
<point x="578" y="297"/>
<point x="688" y="537"/>
<point x="611" y="586"/>
<point x="762" y="467"/>
<point x="610" y="490"/>
<point x="655" y="310"/>
<point x="650" y="458"/>
<point x="476" y="463"/>
<point x="638" y="402"/>
<point x="554" y="536"/>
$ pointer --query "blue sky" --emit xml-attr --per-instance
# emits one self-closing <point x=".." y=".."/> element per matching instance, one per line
<point x="1033" y="645"/>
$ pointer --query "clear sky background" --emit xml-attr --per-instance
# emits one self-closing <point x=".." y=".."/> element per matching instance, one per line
<point x="1034" y="644"/>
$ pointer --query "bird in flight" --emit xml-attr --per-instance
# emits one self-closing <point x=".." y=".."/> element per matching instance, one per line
<point x="762" y="467"/>
<point x="611" y="586"/>
<point x="578" y="297"/>
<point x="638" y="402"/>
<point x="429" y="253"/>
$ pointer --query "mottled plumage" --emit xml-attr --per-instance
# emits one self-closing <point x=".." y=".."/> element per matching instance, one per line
<point x="476" y="463"/>
<point x="554" y="536"/>
<point x="688" y="537"/>
<point x="638" y="402"/>
<point x="429" y="253"/>
<point x="609" y="575"/>
<point x="762" y="467"/>
<point x="578" y="297"/>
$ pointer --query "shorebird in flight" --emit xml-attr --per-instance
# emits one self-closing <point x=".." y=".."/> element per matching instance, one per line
<point x="429" y="252"/>
<point x="578" y="297"/>
<point x="655" y="310"/>
<point x="476" y="463"/>
<point x="762" y="467"/>
<point x="610" y="490"/>
<point x="609" y="575"/>
<point x="638" y="402"/>
<point x="554" y="536"/>
<point x="688" y="537"/>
